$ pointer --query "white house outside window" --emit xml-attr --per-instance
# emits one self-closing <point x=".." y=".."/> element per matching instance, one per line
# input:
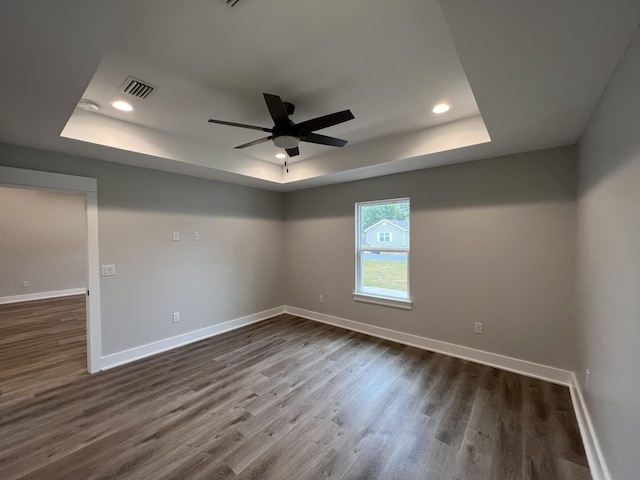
<point x="382" y="252"/>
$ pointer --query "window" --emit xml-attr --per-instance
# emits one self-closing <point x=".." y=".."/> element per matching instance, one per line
<point x="382" y="252"/>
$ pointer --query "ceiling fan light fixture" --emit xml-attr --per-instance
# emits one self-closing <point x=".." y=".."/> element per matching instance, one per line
<point x="441" y="108"/>
<point x="286" y="141"/>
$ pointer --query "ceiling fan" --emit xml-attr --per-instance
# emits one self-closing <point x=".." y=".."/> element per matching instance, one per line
<point x="287" y="134"/>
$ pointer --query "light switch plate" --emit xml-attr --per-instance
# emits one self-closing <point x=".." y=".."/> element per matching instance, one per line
<point x="108" y="270"/>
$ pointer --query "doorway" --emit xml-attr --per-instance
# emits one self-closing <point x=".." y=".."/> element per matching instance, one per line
<point x="55" y="182"/>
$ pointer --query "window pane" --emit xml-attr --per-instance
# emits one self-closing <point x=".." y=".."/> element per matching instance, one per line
<point x="384" y="226"/>
<point x="384" y="273"/>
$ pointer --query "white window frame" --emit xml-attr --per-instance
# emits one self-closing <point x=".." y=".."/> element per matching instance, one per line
<point x="381" y="240"/>
<point x="368" y="297"/>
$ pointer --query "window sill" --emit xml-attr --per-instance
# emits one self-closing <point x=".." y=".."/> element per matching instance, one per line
<point x="385" y="301"/>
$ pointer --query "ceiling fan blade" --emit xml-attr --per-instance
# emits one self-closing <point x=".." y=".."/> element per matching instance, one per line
<point x="323" y="140"/>
<point x="293" y="151"/>
<point x="325" y="121"/>
<point x="241" y="125"/>
<point x="276" y="108"/>
<point x="255" y="142"/>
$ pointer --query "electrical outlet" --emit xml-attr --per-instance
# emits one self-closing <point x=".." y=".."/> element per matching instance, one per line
<point x="176" y="236"/>
<point x="196" y="236"/>
<point x="321" y="298"/>
<point x="479" y="328"/>
<point x="25" y="283"/>
<point x="176" y="317"/>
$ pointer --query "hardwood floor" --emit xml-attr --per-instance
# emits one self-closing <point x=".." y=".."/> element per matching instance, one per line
<point x="283" y="399"/>
<point x="42" y="344"/>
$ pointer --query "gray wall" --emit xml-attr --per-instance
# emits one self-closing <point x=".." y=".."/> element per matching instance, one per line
<point x="609" y="266"/>
<point x="42" y="241"/>
<point x="234" y="270"/>
<point x="491" y="241"/>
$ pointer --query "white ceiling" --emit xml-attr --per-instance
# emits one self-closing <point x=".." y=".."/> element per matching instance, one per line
<point x="519" y="75"/>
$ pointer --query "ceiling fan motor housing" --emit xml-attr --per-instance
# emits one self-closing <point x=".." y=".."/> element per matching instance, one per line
<point x="289" y="107"/>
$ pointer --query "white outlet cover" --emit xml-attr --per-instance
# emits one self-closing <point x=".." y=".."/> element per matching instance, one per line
<point x="176" y="317"/>
<point x="196" y="236"/>
<point x="479" y="328"/>
<point x="25" y="283"/>
<point x="176" y="236"/>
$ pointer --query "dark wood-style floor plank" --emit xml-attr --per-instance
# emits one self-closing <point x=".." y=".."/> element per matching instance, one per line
<point x="285" y="399"/>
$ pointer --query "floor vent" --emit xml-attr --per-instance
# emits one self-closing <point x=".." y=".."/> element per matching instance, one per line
<point x="137" y="88"/>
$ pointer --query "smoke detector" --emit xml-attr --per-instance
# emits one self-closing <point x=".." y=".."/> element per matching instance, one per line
<point x="88" y="105"/>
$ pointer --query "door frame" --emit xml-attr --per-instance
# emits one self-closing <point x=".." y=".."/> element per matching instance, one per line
<point x="62" y="183"/>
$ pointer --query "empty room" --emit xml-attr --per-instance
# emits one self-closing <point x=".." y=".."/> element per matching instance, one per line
<point x="278" y="239"/>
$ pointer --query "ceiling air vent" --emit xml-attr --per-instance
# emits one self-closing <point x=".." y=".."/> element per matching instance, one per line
<point x="230" y="3"/>
<point x="137" y="88"/>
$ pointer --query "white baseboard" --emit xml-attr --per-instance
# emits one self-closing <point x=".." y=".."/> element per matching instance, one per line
<point x="137" y="353"/>
<point x="597" y="463"/>
<point x="27" y="297"/>
<point x="530" y="369"/>
<point x="593" y="451"/>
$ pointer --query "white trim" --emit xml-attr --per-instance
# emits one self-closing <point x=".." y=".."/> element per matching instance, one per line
<point x="94" y="319"/>
<point x="47" y="180"/>
<point x="597" y="463"/>
<point x="58" y="182"/>
<point x="143" y="351"/>
<point x="523" y="367"/>
<point x="385" y="249"/>
<point x="593" y="451"/>
<point x="27" y="297"/>
<point x="384" y="202"/>
<point x="360" y="249"/>
<point x="387" y="302"/>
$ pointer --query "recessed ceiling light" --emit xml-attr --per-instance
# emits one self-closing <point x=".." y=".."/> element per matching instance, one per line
<point x="122" y="105"/>
<point x="88" y="105"/>
<point x="280" y="155"/>
<point x="441" y="108"/>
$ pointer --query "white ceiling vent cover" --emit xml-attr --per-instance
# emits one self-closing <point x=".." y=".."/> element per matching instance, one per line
<point x="137" y="88"/>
